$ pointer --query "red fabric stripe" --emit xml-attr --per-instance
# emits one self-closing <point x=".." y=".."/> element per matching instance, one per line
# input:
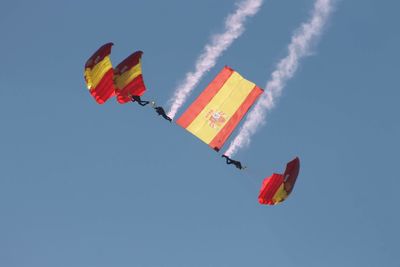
<point x="106" y="84"/>
<point x="99" y="93"/>
<point x="105" y="89"/>
<point x="269" y="187"/>
<point x="204" y="98"/>
<point x="102" y="52"/>
<point x="220" y="139"/>
<point x="128" y="62"/>
<point x="135" y="87"/>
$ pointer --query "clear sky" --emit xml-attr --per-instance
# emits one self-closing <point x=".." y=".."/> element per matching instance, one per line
<point x="86" y="185"/>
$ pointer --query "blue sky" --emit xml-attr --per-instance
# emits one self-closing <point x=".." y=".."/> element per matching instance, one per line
<point x="89" y="185"/>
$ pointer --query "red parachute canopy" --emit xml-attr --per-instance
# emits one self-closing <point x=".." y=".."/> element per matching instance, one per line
<point x="99" y="74"/>
<point x="129" y="79"/>
<point x="277" y="187"/>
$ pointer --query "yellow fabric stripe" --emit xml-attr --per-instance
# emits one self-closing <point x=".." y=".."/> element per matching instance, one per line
<point x="94" y="75"/>
<point x="280" y="194"/>
<point x="228" y="99"/>
<point x="123" y="80"/>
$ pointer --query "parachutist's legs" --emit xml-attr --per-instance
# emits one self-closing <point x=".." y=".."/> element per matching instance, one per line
<point x="137" y="99"/>
<point x="228" y="161"/>
<point x="167" y="118"/>
<point x="143" y="103"/>
<point x="238" y="165"/>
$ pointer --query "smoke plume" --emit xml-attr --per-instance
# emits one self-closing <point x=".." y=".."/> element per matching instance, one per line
<point x="299" y="47"/>
<point x="234" y="27"/>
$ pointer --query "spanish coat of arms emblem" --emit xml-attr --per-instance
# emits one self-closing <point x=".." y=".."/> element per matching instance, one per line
<point x="216" y="118"/>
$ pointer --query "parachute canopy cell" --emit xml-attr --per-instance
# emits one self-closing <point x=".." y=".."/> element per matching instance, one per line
<point x="214" y="115"/>
<point x="129" y="79"/>
<point x="99" y="74"/>
<point x="277" y="187"/>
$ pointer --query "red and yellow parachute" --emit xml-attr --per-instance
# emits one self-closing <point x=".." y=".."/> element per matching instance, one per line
<point x="105" y="82"/>
<point x="277" y="187"/>
<point x="99" y="74"/>
<point x="129" y="78"/>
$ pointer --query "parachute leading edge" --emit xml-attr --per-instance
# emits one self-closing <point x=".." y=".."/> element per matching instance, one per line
<point x="129" y="79"/>
<point x="99" y="74"/>
<point x="277" y="187"/>
<point x="214" y="115"/>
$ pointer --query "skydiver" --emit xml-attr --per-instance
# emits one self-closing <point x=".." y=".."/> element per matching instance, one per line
<point x="136" y="98"/>
<point x="234" y="162"/>
<point x="161" y="112"/>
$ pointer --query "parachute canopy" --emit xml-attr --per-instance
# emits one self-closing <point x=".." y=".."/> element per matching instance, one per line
<point x="99" y="74"/>
<point x="214" y="115"/>
<point x="128" y="78"/>
<point x="277" y="187"/>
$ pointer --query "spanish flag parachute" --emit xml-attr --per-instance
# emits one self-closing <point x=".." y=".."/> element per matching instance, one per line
<point x="129" y="79"/>
<point x="214" y="115"/>
<point x="99" y="74"/>
<point x="277" y="187"/>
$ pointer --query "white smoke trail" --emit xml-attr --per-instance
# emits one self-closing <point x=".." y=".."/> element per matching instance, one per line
<point x="234" y="27"/>
<point x="299" y="47"/>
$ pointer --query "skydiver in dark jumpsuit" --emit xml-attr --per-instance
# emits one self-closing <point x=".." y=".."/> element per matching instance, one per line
<point x="161" y="112"/>
<point x="136" y="98"/>
<point x="234" y="162"/>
